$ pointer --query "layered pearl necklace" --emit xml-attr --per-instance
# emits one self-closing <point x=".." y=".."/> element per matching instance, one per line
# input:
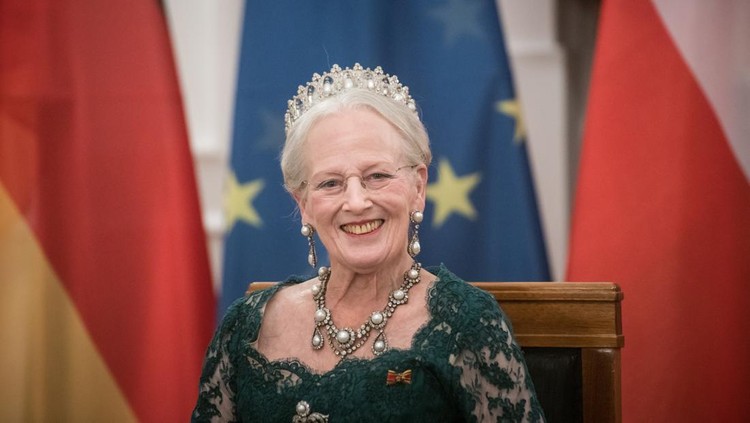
<point x="346" y="341"/>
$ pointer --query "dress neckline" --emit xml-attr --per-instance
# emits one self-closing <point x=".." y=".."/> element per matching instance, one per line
<point x="297" y="365"/>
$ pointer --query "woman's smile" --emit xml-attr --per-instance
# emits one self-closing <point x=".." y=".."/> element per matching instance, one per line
<point x="362" y="228"/>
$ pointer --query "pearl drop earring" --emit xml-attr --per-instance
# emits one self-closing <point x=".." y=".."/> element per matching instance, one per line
<point x="308" y="231"/>
<point x="414" y="247"/>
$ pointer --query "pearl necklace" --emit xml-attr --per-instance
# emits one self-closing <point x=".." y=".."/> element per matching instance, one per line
<point x="345" y="341"/>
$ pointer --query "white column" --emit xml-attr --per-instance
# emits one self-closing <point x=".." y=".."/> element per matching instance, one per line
<point x="205" y="39"/>
<point x="538" y="65"/>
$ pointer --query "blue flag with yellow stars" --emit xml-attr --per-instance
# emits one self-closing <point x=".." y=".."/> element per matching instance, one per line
<point x="481" y="218"/>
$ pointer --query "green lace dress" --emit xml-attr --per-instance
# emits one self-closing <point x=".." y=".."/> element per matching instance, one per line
<point x="463" y="365"/>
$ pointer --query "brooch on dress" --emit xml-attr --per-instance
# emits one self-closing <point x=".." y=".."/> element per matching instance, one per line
<point x="304" y="415"/>
<point x="395" y="378"/>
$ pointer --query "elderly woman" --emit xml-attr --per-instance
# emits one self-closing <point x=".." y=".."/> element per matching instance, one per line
<point x="374" y="336"/>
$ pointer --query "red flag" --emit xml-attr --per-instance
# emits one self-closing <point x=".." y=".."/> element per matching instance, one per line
<point x="663" y="203"/>
<point x="106" y="294"/>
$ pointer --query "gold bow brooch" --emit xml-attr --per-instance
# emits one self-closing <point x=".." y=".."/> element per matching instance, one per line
<point x="395" y="378"/>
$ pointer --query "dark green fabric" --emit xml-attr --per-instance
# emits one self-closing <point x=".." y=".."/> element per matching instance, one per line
<point x="465" y="367"/>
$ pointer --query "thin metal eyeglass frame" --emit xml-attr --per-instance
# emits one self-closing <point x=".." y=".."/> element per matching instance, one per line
<point x="345" y="179"/>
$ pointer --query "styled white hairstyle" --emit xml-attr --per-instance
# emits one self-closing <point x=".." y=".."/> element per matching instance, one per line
<point x="415" y="146"/>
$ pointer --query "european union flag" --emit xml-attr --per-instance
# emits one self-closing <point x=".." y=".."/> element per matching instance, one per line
<point x="481" y="218"/>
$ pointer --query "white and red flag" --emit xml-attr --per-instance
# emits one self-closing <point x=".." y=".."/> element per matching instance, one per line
<point x="663" y="202"/>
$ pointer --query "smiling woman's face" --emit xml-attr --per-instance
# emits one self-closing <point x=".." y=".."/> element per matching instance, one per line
<point x="359" y="190"/>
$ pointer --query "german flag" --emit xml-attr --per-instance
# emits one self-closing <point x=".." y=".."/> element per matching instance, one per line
<point x="106" y="303"/>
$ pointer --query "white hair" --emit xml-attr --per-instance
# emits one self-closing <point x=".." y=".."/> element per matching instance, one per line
<point x="416" y="145"/>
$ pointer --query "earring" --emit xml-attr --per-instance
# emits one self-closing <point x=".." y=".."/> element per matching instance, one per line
<point x="308" y="231"/>
<point x="416" y="218"/>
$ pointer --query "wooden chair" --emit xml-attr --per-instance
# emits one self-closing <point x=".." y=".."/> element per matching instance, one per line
<point x="571" y="334"/>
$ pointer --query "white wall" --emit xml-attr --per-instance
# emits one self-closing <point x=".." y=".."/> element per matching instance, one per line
<point x="539" y="69"/>
<point x="206" y="38"/>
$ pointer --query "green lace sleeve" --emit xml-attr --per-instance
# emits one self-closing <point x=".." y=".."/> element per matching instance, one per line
<point x="492" y="380"/>
<point x="217" y="389"/>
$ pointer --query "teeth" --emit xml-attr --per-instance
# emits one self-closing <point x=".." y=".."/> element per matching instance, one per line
<point x="362" y="229"/>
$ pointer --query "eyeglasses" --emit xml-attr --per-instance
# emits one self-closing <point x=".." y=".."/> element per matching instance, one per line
<point x="332" y="184"/>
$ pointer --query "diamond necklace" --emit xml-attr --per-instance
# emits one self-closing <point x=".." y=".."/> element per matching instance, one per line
<point x="345" y="341"/>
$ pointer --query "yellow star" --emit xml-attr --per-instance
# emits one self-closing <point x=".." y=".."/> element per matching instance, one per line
<point x="451" y="194"/>
<point x="512" y="108"/>
<point x="238" y="202"/>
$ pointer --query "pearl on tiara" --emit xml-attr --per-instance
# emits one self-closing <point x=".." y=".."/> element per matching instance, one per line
<point x="338" y="80"/>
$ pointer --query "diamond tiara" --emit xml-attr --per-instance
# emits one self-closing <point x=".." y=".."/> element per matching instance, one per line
<point x="337" y="81"/>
